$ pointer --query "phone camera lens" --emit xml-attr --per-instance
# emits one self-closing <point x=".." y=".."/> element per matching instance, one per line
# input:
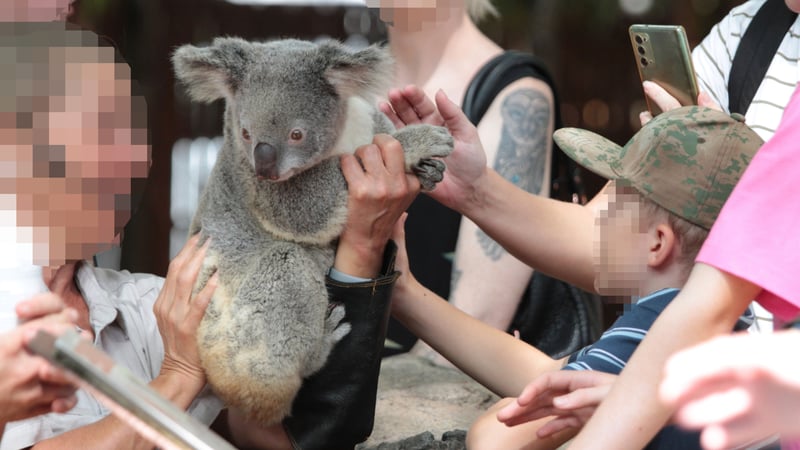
<point x="644" y="61"/>
<point x="640" y="49"/>
<point x="639" y="39"/>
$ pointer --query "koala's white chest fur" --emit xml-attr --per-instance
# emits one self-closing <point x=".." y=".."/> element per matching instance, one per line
<point x="359" y="128"/>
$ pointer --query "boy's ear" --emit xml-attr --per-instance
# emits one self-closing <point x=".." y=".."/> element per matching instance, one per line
<point x="662" y="245"/>
<point x="366" y="73"/>
<point x="213" y="72"/>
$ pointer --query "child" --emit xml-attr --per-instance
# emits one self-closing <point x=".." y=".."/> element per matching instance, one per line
<point x="671" y="180"/>
<point x="751" y="253"/>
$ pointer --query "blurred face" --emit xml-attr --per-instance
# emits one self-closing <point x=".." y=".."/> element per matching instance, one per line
<point x="33" y="10"/>
<point x="620" y="243"/>
<point x="415" y="15"/>
<point x="69" y="157"/>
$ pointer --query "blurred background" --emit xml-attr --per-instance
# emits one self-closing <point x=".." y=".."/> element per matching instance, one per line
<point x="584" y="42"/>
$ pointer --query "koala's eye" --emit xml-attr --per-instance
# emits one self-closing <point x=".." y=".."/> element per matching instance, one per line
<point x="245" y="134"/>
<point x="296" y="135"/>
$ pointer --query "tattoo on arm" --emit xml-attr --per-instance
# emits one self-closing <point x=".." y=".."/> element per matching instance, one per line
<point x="522" y="152"/>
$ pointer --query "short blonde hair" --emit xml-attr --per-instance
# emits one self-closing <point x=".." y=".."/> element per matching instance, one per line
<point x="480" y="9"/>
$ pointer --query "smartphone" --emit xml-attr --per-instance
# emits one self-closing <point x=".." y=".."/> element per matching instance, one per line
<point x="663" y="56"/>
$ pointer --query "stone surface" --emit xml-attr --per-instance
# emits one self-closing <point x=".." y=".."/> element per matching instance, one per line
<point x="424" y="406"/>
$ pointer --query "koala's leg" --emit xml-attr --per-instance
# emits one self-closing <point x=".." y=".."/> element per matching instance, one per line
<point x="267" y="330"/>
<point x="422" y="143"/>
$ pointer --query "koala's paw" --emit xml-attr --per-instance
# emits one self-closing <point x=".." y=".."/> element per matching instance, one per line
<point x="335" y="329"/>
<point x="422" y="143"/>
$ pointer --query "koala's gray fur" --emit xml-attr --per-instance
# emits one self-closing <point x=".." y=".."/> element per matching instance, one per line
<point x="277" y="200"/>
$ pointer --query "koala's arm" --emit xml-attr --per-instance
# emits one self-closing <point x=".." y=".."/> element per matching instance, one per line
<point x="335" y="408"/>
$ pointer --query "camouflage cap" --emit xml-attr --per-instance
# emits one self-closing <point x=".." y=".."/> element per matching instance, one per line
<point x="686" y="160"/>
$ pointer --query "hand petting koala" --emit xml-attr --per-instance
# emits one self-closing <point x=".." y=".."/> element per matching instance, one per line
<point x="276" y="201"/>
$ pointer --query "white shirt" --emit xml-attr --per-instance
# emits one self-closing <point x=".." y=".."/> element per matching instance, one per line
<point x="713" y="58"/>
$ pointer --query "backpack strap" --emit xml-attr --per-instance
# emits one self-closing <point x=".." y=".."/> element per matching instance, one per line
<point x="565" y="179"/>
<point x="756" y="50"/>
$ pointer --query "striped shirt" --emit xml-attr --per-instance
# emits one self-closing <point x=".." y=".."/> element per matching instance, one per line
<point x="713" y="58"/>
<point x="614" y="348"/>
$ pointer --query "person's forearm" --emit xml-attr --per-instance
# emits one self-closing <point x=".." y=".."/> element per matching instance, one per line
<point x="492" y="357"/>
<point x="709" y="305"/>
<point x="479" y="259"/>
<point x="111" y="432"/>
<point x="551" y="236"/>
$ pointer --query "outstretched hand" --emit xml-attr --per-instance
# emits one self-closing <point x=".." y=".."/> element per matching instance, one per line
<point x="570" y="395"/>
<point x="666" y="102"/>
<point x="466" y="165"/>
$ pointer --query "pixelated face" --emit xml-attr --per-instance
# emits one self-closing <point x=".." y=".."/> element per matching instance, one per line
<point x="620" y="242"/>
<point x="72" y="144"/>
<point x="33" y="10"/>
<point x="415" y="15"/>
<point x="279" y="131"/>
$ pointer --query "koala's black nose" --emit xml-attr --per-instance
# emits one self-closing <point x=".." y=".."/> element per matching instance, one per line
<point x="266" y="161"/>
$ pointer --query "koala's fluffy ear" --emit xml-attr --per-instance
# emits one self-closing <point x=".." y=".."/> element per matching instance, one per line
<point x="213" y="72"/>
<point x="366" y="73"/>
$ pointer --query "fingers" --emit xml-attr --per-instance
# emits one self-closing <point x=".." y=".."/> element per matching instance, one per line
<point x="704" y="99"/>
<point x="557" y="425"/>
<point x="582" y="398"/>
<point x="182" y="273"/>
<point x="660" y="96"/>
<point x="392" y="154"/>
<point x="403" y="108"/>
<point x="422" y="105"/>
<point x="644" y="117"/>
<point x="39" y="306"/>
<point x="737" y="434"/>
<point x="388" y="111"/>
<point x="204" y="297"/>
<point x="378" y="170"/>
<point x="454" y="118"/>
<point x="399" y="231"/>
<point x="187" y="277"/>
<point x="689" y="373"/>
<point x="411" y="106"/>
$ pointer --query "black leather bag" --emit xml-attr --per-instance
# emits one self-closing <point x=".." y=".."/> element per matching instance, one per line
<point x="554" y="316"/>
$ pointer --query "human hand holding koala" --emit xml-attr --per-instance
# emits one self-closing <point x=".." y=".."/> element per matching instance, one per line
<point x="277" y="200"/>
<point x="379" y="196"/>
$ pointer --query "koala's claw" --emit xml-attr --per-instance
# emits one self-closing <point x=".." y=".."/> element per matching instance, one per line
<point x="335" y="329"/>
<point x="429" y="171"/>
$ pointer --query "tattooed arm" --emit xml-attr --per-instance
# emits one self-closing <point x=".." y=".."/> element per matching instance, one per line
<point x="487" y="282"/>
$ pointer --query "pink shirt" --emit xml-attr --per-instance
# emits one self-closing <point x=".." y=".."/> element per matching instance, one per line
<point x="757" y="234"/>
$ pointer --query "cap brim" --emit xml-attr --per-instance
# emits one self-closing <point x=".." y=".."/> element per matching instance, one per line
<point x="590" y="150"/>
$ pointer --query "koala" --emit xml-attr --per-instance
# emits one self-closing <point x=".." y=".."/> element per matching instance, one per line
<point x="276" y="201"/>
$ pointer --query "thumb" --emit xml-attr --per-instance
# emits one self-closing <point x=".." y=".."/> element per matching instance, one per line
<point x="454" y="118"/>
<point x="399" y="231"/>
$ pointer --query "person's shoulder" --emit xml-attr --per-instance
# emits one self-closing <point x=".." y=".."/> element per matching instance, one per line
<point x="743" y="13"/>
